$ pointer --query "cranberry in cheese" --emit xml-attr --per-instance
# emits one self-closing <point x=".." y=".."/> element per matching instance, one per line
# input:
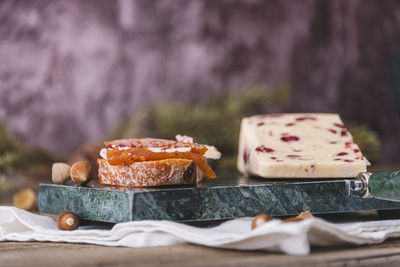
<point x="306" y="145"/>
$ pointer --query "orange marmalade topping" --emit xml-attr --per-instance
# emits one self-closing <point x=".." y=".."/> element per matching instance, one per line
<point x="136" y="150"/>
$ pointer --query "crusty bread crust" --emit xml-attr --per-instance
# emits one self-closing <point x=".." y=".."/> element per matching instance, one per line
<point x="149" y="173"/>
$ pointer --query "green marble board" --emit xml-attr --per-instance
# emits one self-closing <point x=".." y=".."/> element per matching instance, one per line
<point x="218" y="199"/>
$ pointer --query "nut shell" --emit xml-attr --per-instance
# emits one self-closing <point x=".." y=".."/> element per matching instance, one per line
<point x="260" y="219"/>
<point x="25" y="199"/>
<point x="302" y="216"/>
<point x="292" y="219"/>
<point x="305" y="215"/>
<point x="67" y="221"/>
<point x="80" y="172"/>
<point x="60" y="172"/>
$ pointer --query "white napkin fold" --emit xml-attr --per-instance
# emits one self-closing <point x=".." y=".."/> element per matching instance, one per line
<point x="275" y="235"/>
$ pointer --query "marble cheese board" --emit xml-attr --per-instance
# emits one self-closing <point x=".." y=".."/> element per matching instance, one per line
<point x="228" y="197"/>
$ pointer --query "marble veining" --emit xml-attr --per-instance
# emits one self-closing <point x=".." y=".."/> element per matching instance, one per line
<point x="223" y="198"/>
<point x="385" y="185"/>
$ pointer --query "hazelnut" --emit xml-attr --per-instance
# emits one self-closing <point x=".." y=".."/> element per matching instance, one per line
<point x="292" y="219"/>
<point x="305" y="215"/>
<point x="259" y="220"/>
<point x="80" y="172"/>
<point x="25" y="199"/>
<point x="60" y="172"/>
<point x="67" y="221"/>
<point x="302" y="216"/>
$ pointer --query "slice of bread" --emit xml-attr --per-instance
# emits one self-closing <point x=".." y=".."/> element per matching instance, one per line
<point x="149" y="173"/>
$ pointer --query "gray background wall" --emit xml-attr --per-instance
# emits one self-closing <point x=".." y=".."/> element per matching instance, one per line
<point x="70" y="70"/>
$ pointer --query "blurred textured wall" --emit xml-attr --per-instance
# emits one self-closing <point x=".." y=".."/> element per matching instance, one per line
<point x="70" y="70"/>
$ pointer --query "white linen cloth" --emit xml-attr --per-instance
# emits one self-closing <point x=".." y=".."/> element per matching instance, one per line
<point x="275" y="235"/>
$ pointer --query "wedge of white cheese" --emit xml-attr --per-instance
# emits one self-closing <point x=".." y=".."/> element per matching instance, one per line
<point x="307" y="145"/>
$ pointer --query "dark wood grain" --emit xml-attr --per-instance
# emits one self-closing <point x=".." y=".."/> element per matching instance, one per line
<point x="51" y="254"/>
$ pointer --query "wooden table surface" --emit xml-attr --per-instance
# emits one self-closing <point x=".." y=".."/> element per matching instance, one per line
<point x="53" y="254"/>
<point x="65" y="254"/>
